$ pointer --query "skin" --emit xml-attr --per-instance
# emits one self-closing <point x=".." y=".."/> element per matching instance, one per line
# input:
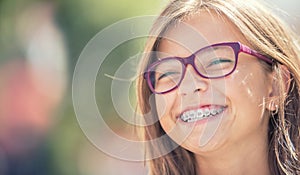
<point x="234" y="142"/>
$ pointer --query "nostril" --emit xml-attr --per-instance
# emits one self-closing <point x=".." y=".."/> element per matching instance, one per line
<point x="197" y="90"/>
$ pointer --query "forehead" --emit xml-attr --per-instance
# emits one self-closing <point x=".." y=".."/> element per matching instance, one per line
<point x="198" y="31"/>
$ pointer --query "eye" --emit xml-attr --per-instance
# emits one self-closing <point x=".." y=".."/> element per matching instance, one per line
<point x="217" y="61"/>
<point x="168" y="74"/>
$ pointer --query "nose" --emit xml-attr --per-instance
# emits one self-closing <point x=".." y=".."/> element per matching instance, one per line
<point x="192" y="82"/>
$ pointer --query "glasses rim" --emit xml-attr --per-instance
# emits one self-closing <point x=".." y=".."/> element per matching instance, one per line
<point x="236" y="46"/>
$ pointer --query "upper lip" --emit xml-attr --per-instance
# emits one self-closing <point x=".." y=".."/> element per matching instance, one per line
<point x="198" y="107"/>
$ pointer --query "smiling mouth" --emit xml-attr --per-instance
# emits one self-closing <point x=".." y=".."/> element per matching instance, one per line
<point x="199" y="114"/>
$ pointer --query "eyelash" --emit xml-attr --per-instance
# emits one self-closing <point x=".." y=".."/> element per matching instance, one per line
<point x="165" y="74"/>
<point x="220" y="60"/>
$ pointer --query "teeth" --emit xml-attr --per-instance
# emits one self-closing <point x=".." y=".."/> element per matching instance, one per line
<point x="206" y="112"/>
<point x="199" y="112"/>
<point x="214" y="112"/>
<point x="194" y="115"/>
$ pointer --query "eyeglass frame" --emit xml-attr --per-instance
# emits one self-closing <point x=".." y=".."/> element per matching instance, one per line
<point x="236" y="46"/>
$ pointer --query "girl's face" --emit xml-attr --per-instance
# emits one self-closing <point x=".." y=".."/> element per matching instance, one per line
<point x="235" y="105"/>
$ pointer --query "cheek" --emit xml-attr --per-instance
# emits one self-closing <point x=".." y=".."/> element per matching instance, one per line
<point x="249" y="91"/>
<point x="165" y="106"/>
<point x="161" y="105"/>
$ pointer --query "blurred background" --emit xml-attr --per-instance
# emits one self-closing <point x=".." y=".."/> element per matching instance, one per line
<point x="40" y="43"/>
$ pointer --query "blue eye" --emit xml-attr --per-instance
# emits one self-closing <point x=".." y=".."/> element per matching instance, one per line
<point x="167" y="74"/>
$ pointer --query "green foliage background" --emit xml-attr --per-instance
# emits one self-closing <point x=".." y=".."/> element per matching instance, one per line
<point x="79" y="21"/>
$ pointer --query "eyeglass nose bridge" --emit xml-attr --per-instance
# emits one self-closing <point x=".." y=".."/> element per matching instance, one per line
<point x="191" y="60"/>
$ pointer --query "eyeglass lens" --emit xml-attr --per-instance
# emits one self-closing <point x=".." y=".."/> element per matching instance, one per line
<point x="211" y="62"/>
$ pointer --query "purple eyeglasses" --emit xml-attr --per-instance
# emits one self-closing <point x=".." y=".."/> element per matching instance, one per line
<point x="211" y="62"/>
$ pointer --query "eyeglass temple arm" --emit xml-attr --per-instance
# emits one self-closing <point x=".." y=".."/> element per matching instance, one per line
<point x="248" y="50"/>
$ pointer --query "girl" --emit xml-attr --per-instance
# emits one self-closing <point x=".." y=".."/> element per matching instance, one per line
<point x="222" y="80"/>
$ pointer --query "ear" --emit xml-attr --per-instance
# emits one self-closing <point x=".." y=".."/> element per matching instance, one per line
<point x="279" y="77"/>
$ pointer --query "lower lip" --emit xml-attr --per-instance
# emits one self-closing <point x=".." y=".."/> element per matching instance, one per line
<point x="204" y="120"/>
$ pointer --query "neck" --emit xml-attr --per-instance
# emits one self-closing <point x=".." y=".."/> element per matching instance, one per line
<point x="245" y="158"/>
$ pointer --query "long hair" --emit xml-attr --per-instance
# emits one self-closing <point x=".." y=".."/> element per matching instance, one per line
<point x="267" y="34"/>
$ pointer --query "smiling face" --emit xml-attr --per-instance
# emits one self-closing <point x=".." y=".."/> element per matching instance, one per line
<point x="204" y="115"/>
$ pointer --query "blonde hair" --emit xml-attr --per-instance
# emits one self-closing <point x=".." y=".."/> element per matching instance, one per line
<point x="267" y="34"/>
